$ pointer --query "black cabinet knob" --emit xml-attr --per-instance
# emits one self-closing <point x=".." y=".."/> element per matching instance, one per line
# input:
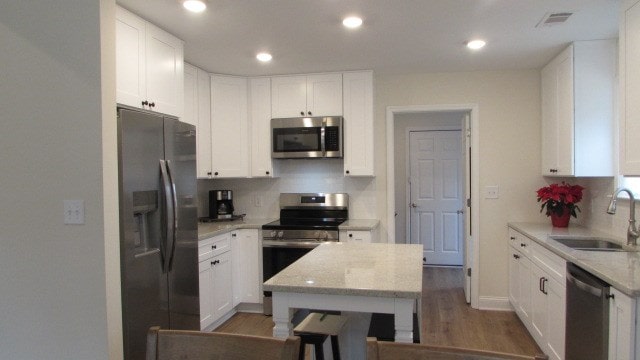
<point x="309" y="113"/>
<point x="301" y="112"/>
<point x="347" y="171"/>
<point x="209" y="173"/>
<point x="215" y="173"/>
<point x="267" y="172"/>
<point x="350" y="235"/>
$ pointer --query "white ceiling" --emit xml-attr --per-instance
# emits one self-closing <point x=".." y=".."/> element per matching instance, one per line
<point x="398" y="36"/>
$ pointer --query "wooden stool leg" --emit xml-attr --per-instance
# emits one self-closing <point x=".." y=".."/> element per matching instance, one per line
<point x="334" y="347"/>
<point x="319" y="351"/>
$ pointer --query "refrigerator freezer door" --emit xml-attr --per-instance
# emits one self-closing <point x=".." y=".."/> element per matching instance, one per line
<point x="180" y="155"/>
<point x="144" y="286"/>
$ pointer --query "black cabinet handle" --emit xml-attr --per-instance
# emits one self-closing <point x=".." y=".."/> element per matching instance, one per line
<point x="515" y="256"/>
<point x="513" y="238"/>
<point x="152" y="104"/>
<point x="610" y="296"/>
<point x="523" y="245"/>
<point x="209" y="173"/>
<point x="215" y="262"/>
<point x="233" y="235"/>
<point x="214" y="247"/>
<point x="543" y="281"/>
<point x="540" y="284"/>
<point x="145" y="103"/>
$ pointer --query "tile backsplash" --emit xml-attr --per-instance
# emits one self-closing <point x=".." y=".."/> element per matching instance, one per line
<point x="258" y="197"/>
<point x="594" y="207"/>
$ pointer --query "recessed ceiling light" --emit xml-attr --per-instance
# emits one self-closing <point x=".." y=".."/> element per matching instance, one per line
<point x="352" y="22"/>
<point x="264" y="57"/>
<point x="476" y="44"/>
<point x="194" y="5"/>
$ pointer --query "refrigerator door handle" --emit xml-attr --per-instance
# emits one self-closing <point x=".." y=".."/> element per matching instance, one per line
<point x="174" y="234"/>
<point x="168" y="221"/>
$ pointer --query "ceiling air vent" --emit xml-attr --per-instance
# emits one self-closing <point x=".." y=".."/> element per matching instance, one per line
<point x="551" y="19"/>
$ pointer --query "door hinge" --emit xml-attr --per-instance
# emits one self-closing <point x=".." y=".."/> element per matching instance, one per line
<point x="469" y="272"/>
<point x="468" y="202"/>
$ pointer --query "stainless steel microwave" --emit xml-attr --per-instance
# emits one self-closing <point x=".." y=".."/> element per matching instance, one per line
<point x="306" y="137"/>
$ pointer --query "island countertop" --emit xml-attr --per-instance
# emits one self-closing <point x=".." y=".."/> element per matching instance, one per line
<point x="380" y="270"/>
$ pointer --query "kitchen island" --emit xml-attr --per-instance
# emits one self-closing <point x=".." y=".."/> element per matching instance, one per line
<point x="350" y="277"/>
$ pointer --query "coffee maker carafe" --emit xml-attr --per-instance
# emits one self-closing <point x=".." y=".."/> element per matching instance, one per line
<point x="221" y="204"/>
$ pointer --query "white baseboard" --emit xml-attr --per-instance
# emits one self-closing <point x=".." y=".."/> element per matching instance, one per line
<point x="494" y="303"/>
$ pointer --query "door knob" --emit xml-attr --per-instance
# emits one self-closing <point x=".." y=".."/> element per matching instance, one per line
<point x="414" y="205"/>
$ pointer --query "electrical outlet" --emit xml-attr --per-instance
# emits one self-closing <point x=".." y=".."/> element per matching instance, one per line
<point x="74" y="212"/>
<point x="492" y="192"/>
<point x="258" y="201"/>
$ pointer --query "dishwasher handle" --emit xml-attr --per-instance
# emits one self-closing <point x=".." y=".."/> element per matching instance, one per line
<point x="590" y="289"/>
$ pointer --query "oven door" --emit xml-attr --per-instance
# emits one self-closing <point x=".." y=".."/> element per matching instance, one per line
<point x="277" y="255"/>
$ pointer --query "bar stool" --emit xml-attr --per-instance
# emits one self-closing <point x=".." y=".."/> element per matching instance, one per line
<point x="315" y="329"/>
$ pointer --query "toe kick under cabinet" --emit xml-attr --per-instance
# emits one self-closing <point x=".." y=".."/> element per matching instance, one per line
<point x="537" y="292"/>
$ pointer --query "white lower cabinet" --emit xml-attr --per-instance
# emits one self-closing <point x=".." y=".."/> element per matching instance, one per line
<point x="622" y="326"/>
<point x="537" y="292"/>
<point x="246" y="266"/>
<point x="356" y="236"/>
<point x="216" y="297"/>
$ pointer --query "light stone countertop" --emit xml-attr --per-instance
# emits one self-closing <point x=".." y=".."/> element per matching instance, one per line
<point x="379" y="270"/>
<point x="620" y="269"/>
<point x="207" y="230"/>
<point x="359" y="224"/>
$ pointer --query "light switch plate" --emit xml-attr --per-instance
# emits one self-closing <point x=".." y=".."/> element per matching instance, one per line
<point x="492" y="192"/>
<point x="74" y="212"/>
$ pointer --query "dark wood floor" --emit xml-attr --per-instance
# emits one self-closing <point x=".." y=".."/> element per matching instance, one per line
<point x="447" y="319"/>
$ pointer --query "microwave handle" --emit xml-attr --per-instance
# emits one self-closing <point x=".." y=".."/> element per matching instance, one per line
<point x="322" y="136"/>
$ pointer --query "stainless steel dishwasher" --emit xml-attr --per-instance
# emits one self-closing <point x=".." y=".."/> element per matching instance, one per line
<point x="587" y="329"/>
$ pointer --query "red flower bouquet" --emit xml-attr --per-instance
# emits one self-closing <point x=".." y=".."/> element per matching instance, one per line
<point x="559" y="200"/>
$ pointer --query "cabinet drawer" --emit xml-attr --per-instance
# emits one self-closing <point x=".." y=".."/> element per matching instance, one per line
<point x="549" y="262"/>
<point x="214" y="246"/>
<point x="519" y="241"/>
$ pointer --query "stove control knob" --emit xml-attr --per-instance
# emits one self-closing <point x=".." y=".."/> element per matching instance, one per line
<point x="280" y="234"/>
<point x="325" y="235"/>
<point x="273" y="233"/>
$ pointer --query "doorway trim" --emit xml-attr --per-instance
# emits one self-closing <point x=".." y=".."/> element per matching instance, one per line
<point x="473" y="110"/>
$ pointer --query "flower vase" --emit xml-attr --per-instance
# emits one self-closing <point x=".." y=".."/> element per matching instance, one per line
<point x="561" y="221"/>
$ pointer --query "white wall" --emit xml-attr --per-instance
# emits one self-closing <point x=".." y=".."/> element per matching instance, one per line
<point x="52" y="276"/>
<point x="509" y="111"/>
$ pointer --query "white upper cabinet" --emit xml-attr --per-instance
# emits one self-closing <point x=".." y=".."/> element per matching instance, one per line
<point x="197" y="111"/>
<point x="260" y="120"/>
<point x="630" y="88"/>
<point x="577" y="110"/>
<point x="358" y="123"/>
<point x="229" y="127"/>
<point x="149" y="65"/>
<point x="306" y="95"/>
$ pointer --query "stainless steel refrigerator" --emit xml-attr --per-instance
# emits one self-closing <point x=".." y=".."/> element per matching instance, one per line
<point x="158" y="225"/>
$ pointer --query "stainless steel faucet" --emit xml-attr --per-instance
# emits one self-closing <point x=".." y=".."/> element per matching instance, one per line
<point x="632" y="231"/>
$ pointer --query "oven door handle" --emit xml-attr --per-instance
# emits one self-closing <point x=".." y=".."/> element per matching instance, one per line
<point x="291" y="244"/>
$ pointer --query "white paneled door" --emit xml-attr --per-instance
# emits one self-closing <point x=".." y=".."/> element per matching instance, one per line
<point x="436" y="187"/>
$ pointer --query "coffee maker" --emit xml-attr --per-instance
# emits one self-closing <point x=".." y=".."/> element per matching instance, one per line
<point x="220" y="204"/>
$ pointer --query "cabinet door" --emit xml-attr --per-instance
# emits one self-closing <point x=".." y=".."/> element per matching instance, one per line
<point x="556" y="311"/>
<point x="206" y="293"/>
<point x="203" y="128"/>
<point x="557" y="115"/>
<point x="288" y="96"/>
<point x="130" y="59"/>
<point x="246" y="267"/>
<point x="229" y="127"/>
<point x="538" y="314"/>
<point x="165" y="71"/>
<point x="524" y="289"/>
<point x="358" y="124"/>
<point x="514" y="278"/>
<point x="260" y="118"/>
<point x="363" y="237"/>
<point x="630" y="87"/>
<point x="324" y="95"/>
<point x="190" y="114"/>
<point x="222" y="287"/>
<point x="622" y="329"/>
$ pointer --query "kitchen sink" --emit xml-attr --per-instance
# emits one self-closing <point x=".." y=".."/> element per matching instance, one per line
<point x="589" y="243"/>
